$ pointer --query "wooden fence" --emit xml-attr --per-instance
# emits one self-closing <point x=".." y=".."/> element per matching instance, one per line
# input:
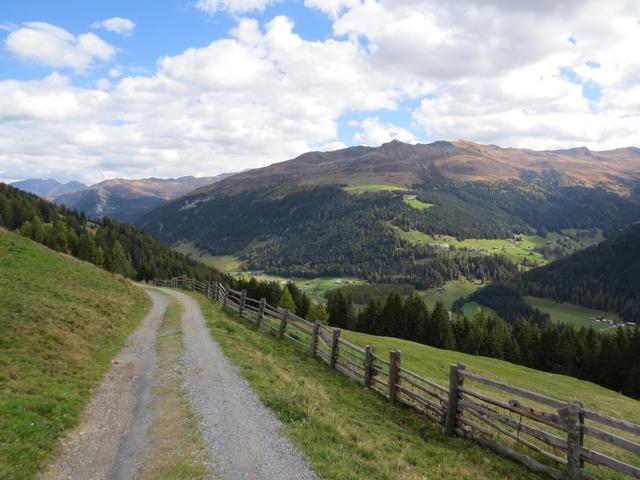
<point x="549" y="436"/>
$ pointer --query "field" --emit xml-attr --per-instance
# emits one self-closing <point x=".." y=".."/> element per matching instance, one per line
<point x="368" y="186"/>
<point x="314" y="287"/>
<point x="520" y="246"/>
<point x="225" y="263"/>
<point x="344" y="431"/>
<point x="415" y="203"/>
<point x="572" y="314"/>
<point x="449" y="293"/>
<point x="62" y="320"/>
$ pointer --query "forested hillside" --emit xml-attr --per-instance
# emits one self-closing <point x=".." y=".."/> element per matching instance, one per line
<point x="354" y="211"/>
<point x="611" y="360"/>
<point x="605" y="277"/>
<point x="117" y="247"/>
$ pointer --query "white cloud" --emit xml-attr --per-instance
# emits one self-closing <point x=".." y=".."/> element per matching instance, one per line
<point x="119" y="25"/>
<point x="49" y="45"/>
<point x="374" y="132"/>
<point x="103" y="84"/>
<point x="492" y="71"/>
<point x="234" y="6"/>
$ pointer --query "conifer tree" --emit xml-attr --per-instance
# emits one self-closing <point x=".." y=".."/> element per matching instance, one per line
<point x="286" y="301"/>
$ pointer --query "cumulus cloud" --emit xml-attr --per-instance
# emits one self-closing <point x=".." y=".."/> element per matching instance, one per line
<point x="244" y="101"/>
<point x="53" y="46"/>
<point x="119" y="25"/>
<point x="374" y="132"/>
<point x="233" y="6"/>
<point x="495" y="71"/>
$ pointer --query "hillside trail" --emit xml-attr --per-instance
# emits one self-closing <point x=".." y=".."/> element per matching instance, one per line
<point x="244" y="440"/>
<point x="110" y="439"/>
<point x="243" y="436"/>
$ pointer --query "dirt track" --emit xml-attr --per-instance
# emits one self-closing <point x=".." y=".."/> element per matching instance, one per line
<point x="243" y="437"/>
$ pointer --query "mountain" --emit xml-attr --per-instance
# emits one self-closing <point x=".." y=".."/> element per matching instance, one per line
<point x="358" y="211"/>
<point x="48" y="188"/>
<point x="604" y="277"/>
<point x="126" y="200"/>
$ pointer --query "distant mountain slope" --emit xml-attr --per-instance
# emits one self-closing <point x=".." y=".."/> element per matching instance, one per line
<point x="605" y="277"/>
<point x="48" y="188"/>
<point x="126" y="200"/>
<point x="341" y="213"/>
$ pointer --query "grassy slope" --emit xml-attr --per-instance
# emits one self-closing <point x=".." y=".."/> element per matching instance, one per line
<point x="61" y="320"/>
<point x="434" y="363"/>
<point x="572" y="314"/>
<point x="345" y="431"/>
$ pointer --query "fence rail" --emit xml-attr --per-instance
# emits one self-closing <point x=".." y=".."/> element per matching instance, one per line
<point x="545" y="434"/>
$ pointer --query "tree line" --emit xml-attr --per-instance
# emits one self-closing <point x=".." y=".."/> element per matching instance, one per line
<point x="114" y="246"/>
<point x="610" y="360"/>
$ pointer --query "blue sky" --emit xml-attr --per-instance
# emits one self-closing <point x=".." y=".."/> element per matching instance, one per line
<point x="177" y="87"/>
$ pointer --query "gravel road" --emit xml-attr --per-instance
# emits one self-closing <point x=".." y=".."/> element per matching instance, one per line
<point x="109" y="442"/>
<point x="243" y="436"/>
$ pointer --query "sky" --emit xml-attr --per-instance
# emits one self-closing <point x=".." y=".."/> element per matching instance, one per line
<point x="166" y="88"/>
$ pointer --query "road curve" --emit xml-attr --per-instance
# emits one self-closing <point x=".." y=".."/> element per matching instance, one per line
<point x="243" y="436"/>
<point x="109" y="441"/>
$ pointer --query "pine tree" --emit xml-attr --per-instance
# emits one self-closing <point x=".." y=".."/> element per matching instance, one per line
<point x="317" y="313"/>
<point x="119" y="262"/>
<point x="286" y="301"/>
<point x="392" y="320"/>
<point x="440" y="331"/>
<point x="339" y="308"/>
<point x="414" y="318"/>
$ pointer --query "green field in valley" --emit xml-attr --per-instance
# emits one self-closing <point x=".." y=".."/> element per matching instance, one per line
<point x="449" y="293"/>
<point x="373" y="187"/>
<point x="62" y="320"/>
<point x="573" y="314"/>
<point x="225" y="263"/>
<point x="415" y="203"/>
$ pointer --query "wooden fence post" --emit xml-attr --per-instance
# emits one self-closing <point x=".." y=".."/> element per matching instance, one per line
<point x="313" y="349"/>
<point x="225" y="297"/>
<point x="455" y="381"/>
<point x="368" y="366"/>
<point x="570" y="416"/>
<point x="335" y="345"/>
<point x="394" y="375"/>
<point x="243" y="299"/>
<point x="283" y="323"/>
<point x="263" y="303"/>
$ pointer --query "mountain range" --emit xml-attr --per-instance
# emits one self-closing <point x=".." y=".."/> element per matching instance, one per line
<point x="48" y="188"/>
<point x="118" y="198"/>
<point x="378" y="213"/>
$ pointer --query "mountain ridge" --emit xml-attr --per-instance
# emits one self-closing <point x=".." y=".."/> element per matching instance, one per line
<point x="126" y="200"/>
<point x="404" y="164"/>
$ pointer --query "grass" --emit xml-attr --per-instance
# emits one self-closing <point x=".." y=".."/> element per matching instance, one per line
<point x="314" y="287"/>
<point x="344" y="431"/>
<point x="470" y="309"/>
<point x="62" y="320"/>
<point x="520" y="246"/>
<point x="372" y="186"/>
<point x="225" y="263"/>
<point x="434" y="364"/>
<point x="415" y="203"/>
<point x="449" y="293"/>
<point x="175" y="448"/>
<point x="572" y="314"/>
